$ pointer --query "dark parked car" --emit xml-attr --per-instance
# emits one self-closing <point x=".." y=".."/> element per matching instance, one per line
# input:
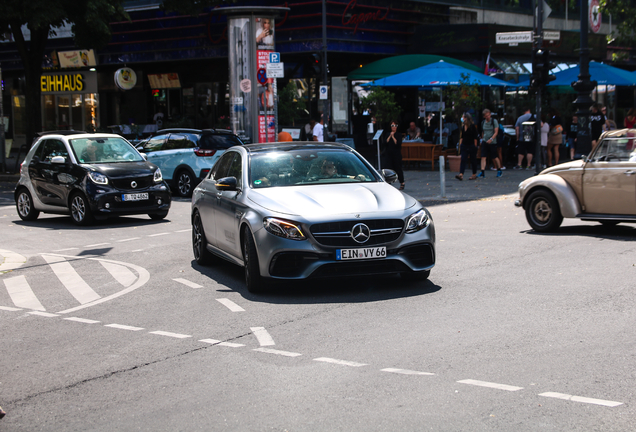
<point x="185" y="156"/>
<point x="89" y="176"/>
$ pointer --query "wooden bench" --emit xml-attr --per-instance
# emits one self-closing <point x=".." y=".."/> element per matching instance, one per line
<point x="421" y="152"/>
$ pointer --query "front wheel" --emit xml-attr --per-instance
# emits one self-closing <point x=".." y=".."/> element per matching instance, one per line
<point x="185" y="183"/>
<point x="80" y="210"/>
<point x="24" y="205"/>
<point x="253" y="279"/>
<point x="543" y="212"/>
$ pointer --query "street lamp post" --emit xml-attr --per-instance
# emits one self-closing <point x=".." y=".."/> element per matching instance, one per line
<point x="584" y="87"/>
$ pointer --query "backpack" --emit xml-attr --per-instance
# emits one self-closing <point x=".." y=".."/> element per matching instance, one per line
<point x="497" y="125"/>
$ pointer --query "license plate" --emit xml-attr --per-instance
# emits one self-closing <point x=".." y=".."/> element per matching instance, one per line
<point x="134" y="197"/>
<point x="360" y="253"/>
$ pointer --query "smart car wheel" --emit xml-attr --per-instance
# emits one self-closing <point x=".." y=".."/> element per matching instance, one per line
<point x="253" y="278"/>
<point x="185" y="184"/>
<point x="80" y="210"/>
<point x="24" y="205"/>
<point x="542" y="212"/>
<point x="201" y="254"/>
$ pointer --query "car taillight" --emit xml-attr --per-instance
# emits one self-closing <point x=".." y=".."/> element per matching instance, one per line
<point x="204" y="152"/>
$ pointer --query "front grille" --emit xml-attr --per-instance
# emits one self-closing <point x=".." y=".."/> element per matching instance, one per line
<point x="419" y="256"/>
<point x="124" y="183"/>
<point x="366" y="268"/>
<point x="339" y="233"/>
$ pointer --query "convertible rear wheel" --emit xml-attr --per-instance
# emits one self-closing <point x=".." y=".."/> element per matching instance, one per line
<point x="253" y="279"/>
<point x="542" y="211"/>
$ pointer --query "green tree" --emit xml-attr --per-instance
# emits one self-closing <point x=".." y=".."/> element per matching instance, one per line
<point x="463" y="97"/>
<point x="382" y="105"/>
<point x="623" y="17"/>
<point x="291" y="105"/>
<point x="32" y="22"/>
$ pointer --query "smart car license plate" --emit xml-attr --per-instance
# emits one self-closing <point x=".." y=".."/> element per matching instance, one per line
<point x="134" y="197"/>
<point x="360" y="253"/>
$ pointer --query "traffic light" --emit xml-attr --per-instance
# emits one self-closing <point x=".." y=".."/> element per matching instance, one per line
<point x="535" y="76"/>
<point x="317" y="63"/>
<point x="544" y="66"/>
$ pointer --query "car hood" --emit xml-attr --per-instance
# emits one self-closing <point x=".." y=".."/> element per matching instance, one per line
<point x="322" y="200"/>
<point x="124" y="169"/>
<point x="576" y="164"/>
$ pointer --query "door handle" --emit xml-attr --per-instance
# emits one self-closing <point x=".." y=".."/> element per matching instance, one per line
<point x="629" y="173"/>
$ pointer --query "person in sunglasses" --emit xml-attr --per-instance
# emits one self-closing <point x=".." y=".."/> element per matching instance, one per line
<point x="393" y="144"/>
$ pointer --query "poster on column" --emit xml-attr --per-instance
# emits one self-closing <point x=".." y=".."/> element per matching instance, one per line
<point x="267" y="87"/>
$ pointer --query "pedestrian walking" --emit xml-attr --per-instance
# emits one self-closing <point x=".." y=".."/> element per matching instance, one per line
<point x="555" y="138"/>
<point x="524" y="149"/>
<point x="572" y="135"/>
<point x="468" y="146"/>
<point x="545" y="130"/>
<point x="597" y="120"/>
<point x="630" y="120"/>
<point x="393" y="141"/>
<point x="489" y="131"/>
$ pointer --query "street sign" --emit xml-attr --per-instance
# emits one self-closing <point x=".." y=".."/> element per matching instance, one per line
<point x="261" y="76"/>
<point x="551" y="35"/>
<point x="275" y="70"/>
<point x="323" y="92"/>
<point x="595" y="16"/>
<point x="274" y="57"/>
<point x="514" y="37"/>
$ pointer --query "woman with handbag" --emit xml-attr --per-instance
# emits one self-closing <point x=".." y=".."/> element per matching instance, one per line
<point x="555" y="137"/>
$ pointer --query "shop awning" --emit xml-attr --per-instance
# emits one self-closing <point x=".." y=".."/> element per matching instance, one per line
<point x="398" y="64"/>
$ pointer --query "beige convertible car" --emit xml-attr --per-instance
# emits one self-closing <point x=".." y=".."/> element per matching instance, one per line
<point x="601" y="187"/>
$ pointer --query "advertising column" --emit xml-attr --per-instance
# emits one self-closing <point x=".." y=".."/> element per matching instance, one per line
<point x="267" y="86"/>
<point x="240" y="56"/>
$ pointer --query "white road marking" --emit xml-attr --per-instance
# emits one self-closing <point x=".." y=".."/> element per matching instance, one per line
<point x="490" y="385"/>
<point x="64" y="250"/>
<point x="21" y="293"/>
<point x="169" y="334"/>
<point x="405" y="371"/>
<point x="273" y="351"/>
<point x="185" y="230"/>
<point x="123" y="327"/>
<point x="339" y="362"/>
<point x="82" y="320"/>
<point x="187" y="283"/>
<point x="581" y="399"/>
<point x="128" y="239"/>
<point x="72" y="281"/>
<point x="95" y="245"/>
<point x="9" y="309"/>
<point x="122" y="274"/>
<point x="230" y="305"/>
<point x="264" y="339"/>
<point x="44" y="314"/>
<point x="158" y="234"/>
<point x="218" y="342"/>
<point x="137" y="250"/>
<point x="10" y="260"/>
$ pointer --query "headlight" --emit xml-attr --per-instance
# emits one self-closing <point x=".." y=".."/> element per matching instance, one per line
<point x="283" y="228"/>
<point x="98" y="178"/>
<point x="417" y="221"/>
<point x="158" y="178"/>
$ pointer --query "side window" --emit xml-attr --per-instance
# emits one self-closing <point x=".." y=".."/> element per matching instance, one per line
<point x="601" y="152"/>
<point x="222" y="167"/>
<point x="155" y="143"/>
<point x="175" y="142"/>
<point x="219" y="142"/>
<point x="236" y="170"/>
<point x="53" y="148"/>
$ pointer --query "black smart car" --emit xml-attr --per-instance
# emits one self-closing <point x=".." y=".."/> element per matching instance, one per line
<point x="89" y="176"/>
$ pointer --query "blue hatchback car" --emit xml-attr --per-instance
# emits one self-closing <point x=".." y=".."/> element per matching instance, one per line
<point x="186" y="156"/>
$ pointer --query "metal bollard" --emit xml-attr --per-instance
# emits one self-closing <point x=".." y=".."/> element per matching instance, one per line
<point x="442" y="177"/>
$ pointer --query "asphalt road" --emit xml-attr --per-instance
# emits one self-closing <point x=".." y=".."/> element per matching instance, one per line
<point x="514" y="331"/>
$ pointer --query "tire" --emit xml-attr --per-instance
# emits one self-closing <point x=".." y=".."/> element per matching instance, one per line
<point x="81" y="213"/>
<point x="158" y="216"/>
<point x="253" y="279"/>
<point x="25" y="207"/>
<point x="185" y="183"/>
<point x="543" y="212"/>
<point x="419" y="276"/>
<point x="201" y="254"/>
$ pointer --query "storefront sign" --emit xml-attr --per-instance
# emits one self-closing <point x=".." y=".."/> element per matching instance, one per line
<point x="169" y="80"/>
<point x="81" y="58"/>
<point x="125" y="78"/>
<point x="349" y="18"/>
<point x="79" y="82"/>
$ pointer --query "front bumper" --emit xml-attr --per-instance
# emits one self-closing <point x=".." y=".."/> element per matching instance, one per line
<point x="107" y="202"/>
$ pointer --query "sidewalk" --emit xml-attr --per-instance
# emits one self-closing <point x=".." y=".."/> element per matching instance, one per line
<point x="422" y="183"/>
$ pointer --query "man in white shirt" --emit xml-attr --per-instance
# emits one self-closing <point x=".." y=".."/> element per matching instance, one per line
<point x="318" y="130"/>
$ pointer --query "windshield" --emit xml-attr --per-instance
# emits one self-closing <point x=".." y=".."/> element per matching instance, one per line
<point x="305" y="167"/>
<point x="616" y="149"/>
<point x="104" y="150"/>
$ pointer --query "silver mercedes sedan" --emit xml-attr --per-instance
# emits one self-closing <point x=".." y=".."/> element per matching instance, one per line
<point x="287" y="211"/>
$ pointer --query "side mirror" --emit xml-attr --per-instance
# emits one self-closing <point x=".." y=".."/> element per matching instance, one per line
<point x="390" y="176"/>
<point x="58" y="160"/>
<point x="227" y="184"/>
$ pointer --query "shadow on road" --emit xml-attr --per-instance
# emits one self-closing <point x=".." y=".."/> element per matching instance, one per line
<point x="621" y="232"/>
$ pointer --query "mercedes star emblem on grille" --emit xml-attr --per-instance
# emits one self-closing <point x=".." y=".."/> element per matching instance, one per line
<point x="133" y="184"/>
<point x="360" y="233"/>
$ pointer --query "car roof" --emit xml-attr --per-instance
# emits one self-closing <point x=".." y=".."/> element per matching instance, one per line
<point x="194" y="131"/>
<point x="295" y="145"/>
<point x="79" y="134"/>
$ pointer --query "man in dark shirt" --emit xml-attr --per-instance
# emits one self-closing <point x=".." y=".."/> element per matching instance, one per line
<point x="597" y="120"/>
